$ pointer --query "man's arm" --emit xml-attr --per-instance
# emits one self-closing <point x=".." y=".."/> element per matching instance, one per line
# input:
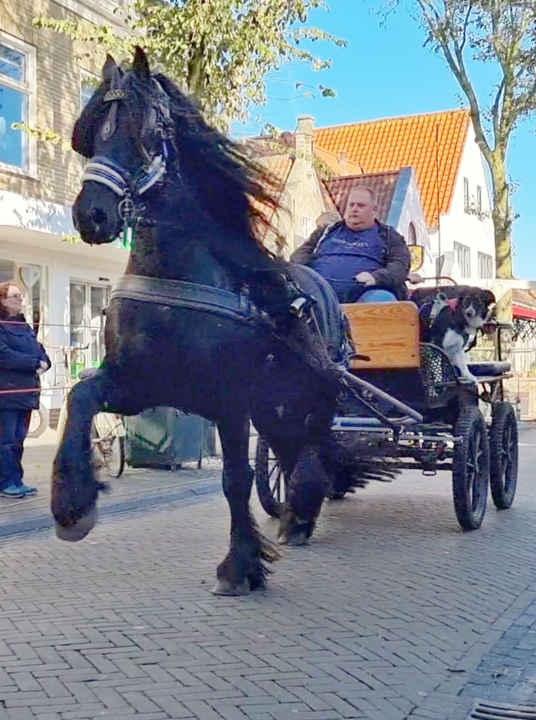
<point x="398" y="262"/>
<point x="305" y="252"/>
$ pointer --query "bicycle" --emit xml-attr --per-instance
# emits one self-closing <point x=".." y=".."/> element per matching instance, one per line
<point x="107" y="429"/>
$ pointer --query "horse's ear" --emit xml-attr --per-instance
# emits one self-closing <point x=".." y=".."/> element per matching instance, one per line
<point x="141" y="65"/>
<point x="109" y="68"/>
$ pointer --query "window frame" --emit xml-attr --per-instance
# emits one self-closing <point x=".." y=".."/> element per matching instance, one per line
<point x="412" y="234"/>
<point x="466" y="196"/>
<point x="466" y="250"/>
<point x="307" y="226"/>
<point x="485" y="257"/>
<point x="85" y="327"/>
<point x="83" y="75"/>
<point x="29" y="88"/>
<point x="479" y="200"/>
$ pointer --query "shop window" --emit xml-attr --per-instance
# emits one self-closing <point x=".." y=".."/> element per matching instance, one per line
<point x="87" y="305"/>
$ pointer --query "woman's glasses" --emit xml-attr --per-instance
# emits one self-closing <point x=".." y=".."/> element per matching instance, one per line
<point x="18" y="296"/>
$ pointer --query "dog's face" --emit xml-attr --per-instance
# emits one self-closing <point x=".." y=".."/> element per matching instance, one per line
<point x="474" y="305"/>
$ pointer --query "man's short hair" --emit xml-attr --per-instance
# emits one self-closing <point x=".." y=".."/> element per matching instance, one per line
<point x="327" y="218"/>
<point x="366" y="188"/>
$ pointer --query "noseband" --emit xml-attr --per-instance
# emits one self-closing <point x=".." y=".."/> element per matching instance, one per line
<point x="128" y="187"/>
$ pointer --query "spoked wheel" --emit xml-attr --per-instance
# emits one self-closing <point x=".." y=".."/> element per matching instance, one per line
<point x="504" y="455"/>
<point x="269" y="479"/>
<point x="39" y="420"/>
<point x="471" y="468"/>
<point x="108" y="443"/>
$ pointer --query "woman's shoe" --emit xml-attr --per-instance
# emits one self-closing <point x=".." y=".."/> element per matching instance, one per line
<point x="12" y="491"/>
<point x="26" y="490"/>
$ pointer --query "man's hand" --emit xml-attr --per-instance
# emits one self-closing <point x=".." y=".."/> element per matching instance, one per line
<point x="365" y="278"/>
<point x="43" y="367"/>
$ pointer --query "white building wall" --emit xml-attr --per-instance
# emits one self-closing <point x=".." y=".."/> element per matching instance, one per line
<point x="464" y="227"/>
<point x="406" y="210"/>
<point x="31" y="233"/>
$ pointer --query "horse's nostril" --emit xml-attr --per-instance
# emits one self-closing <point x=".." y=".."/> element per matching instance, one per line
<point x="97" y="216"/>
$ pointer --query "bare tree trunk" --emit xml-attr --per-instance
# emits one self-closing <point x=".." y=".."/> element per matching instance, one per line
<point x="501" y="217"/>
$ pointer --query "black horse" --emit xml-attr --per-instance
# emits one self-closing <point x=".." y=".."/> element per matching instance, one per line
<point x="201" y="320"/>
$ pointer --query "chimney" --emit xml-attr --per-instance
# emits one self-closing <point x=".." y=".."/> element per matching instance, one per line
<point x="305" y="137"/>
<point x="342" y="159"/>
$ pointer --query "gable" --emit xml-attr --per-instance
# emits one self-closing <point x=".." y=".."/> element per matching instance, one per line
<point x="383" y="184"/>
<point x="422" y="141"/>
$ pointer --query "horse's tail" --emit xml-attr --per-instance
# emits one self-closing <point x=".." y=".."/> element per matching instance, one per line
<point x="353" y="462"/>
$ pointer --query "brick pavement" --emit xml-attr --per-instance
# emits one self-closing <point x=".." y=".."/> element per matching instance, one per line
<point x="385" y="616"/>
<point x="136" y="488"/>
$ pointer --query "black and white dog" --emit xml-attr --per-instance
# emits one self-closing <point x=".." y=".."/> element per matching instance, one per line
<point x="451" y="318"/>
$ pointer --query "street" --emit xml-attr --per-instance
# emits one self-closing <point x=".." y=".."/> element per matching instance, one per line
<point x="390" y="613"/>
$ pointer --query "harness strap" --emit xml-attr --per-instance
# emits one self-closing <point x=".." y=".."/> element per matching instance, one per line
<point x="179" y="293"/>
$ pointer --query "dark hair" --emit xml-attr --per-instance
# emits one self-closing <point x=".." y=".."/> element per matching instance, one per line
<point x="4" y="289"/>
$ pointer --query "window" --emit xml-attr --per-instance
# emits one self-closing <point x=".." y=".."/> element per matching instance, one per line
<point x="479" y="200"/>
<point x="17" y="62"/>
<point x="412" y="234"/>
<point x="88" y="85"/>
<point x="307" y="226"/>
<point x="87" y="303"/>
<point x="466" y="198"/>
<point x="485" y="266"/>
<point x="463" y="256"/>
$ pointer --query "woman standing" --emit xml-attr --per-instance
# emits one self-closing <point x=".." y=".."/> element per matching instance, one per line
<point x="22" y="360"/>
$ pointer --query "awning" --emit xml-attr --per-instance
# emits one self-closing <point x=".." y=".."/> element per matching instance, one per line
<point x="525" y="313"/>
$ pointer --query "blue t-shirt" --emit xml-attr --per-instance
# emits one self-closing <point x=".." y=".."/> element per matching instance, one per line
<point x="345" y="253"/>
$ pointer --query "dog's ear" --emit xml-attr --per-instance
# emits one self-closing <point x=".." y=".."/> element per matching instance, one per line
<point x="488" y="297"/>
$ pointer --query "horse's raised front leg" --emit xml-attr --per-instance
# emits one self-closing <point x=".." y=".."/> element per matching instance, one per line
<point x="244" y="567"/>
<point x="74" y="486"/>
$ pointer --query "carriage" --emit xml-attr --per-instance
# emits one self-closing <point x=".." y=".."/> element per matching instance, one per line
<point x="409" y="407"/>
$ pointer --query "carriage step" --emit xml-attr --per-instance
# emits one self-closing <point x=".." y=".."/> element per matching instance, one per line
<point x="341" y="423"/>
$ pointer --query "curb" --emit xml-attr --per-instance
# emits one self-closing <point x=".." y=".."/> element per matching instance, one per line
<point x="196" y="493"/>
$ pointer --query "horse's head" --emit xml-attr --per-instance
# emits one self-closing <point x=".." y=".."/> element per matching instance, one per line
<point x="125" y="132"/>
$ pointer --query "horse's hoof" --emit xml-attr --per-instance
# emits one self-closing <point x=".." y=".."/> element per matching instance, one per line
<point x="78" y="530"/>
<point x="225" y="587"/>
<point x="295" y="540"/>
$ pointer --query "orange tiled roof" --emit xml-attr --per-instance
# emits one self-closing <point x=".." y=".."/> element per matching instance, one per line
<point x="383" y="185"/>
<point x="391" y="143"/>
<point x="278" y="167"/>
<point x="338" y="165"/>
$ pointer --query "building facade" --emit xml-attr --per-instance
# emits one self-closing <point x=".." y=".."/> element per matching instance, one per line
<point x="450" y="178"/>
<point x="315" y="181"/>
<point x="44" y="84"/>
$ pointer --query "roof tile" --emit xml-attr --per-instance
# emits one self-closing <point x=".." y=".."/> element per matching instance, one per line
<point x="389" y="144"/>
<point x="383" y="185"/>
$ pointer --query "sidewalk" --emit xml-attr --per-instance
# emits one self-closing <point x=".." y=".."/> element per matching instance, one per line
<point x="135" y="489"/>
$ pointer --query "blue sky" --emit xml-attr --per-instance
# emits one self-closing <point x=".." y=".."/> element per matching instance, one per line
<point x="386" y="71"/>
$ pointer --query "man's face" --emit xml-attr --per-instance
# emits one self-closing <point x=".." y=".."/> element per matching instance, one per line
<point x="360" y="210"/>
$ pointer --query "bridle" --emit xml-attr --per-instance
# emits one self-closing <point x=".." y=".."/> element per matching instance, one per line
<point x="129" y="187"/>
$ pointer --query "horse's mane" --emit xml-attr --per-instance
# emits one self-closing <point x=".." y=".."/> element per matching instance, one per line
<point x="239" y="193"/>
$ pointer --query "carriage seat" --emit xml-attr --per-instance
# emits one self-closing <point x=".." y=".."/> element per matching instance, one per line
<point x="489" y="369"/>
<point x="387" y="333"/>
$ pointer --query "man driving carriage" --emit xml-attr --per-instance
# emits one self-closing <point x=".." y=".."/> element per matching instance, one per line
<point x="362" y="259"/>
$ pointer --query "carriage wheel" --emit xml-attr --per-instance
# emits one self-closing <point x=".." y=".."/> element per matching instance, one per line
<point x="107" y="444"/>
<point x="269" y="479"/>
<point x="471" y="468"/>
<point x="504" y="455"/>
